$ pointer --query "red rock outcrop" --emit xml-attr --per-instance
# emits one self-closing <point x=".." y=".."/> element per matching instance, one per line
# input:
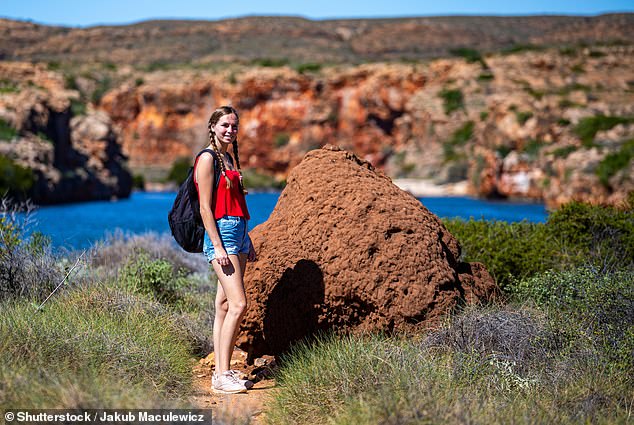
<point x="347" y="250"/>
<point x="508" y="136"/>
<point x="72" y="158"/>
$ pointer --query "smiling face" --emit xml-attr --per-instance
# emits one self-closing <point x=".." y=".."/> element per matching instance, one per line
<point x="226" y="129"/>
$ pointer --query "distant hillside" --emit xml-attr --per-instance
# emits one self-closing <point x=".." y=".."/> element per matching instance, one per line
<point x="291" y="39"/>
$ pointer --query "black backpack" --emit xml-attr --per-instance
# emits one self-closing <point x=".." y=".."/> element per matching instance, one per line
<point x="184" y="218"/>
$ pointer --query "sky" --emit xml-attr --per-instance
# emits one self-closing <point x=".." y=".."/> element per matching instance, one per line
<point x="82" y="13"/>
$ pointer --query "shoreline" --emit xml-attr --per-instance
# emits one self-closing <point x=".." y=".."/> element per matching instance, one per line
<point x="427" y="188"/>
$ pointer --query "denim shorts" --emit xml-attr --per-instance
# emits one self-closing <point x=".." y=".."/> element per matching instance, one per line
<point x="234" y="235"/>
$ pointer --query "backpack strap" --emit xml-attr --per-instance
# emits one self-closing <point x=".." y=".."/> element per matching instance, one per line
<point x="216" y="167"/>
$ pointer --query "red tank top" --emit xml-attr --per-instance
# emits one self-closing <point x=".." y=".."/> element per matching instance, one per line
<point x="227" y="201"/>
<point x="230" y="201"/>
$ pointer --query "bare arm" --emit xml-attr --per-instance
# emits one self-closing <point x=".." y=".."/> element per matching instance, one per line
<point x="206" y="185"/>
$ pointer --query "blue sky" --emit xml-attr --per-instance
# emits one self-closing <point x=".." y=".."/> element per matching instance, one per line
<point x="87" y="13"/>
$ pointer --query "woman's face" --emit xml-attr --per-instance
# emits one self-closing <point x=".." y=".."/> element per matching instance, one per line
<point x="226" y="129"/>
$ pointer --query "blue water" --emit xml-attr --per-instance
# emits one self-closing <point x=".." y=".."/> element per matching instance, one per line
<point x="77" y="226"/>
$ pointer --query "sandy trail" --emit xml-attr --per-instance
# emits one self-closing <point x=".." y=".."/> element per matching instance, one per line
<point x="230" y="408"/>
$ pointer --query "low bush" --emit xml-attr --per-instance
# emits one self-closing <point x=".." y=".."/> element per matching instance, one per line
<point x="507" y="249"/>
<point x="600" y="305"/>
<point x="178" y="172"/>
<point x="588" y="127"/>
<point x="486" y="365"/>
<point x="303" y="68"/>
<point x="459" y="138"/>
<point x="75" y="353"/>
<point x="15" y="180"/>
<point x="522" y="117"/>
<point x="564" y="151"/>
<point x="600" y="236"/>
<point x="28" y="269"/>
<point x="7" y="131"/>
<point x="576" y="234"/>
<point x="156" y="278"/>
<point x="110" y="255"/>
<point x="452" y="100"/>
<point x="255" y="180"/>
<point x="615" y="162"/>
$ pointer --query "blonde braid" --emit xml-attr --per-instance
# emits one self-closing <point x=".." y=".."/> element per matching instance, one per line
<point x="237" y="157"/>
<point x="212" y="140"/>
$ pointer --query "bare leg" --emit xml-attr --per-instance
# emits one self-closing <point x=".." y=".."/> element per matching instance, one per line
<point x="222" y="306"/>
<point x="231" y="281"/>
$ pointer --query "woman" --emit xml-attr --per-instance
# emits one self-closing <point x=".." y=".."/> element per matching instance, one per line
<point x="227" y="244"/>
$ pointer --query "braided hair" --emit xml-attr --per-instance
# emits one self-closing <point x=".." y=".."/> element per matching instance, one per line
<point x="215" y="117"/>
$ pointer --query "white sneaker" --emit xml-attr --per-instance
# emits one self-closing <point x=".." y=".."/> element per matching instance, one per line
<point x="247" y="384"/>
<point x="227" y="383"/>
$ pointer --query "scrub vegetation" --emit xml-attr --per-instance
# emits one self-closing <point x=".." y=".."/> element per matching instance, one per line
<point x="557" y="347"/>
<point x="127" y="320"/>
<point x="134" y="312"/>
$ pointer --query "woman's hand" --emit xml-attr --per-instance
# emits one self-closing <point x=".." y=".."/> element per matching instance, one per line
<point x="252" y="255"/>
<point x="221" y="256"/>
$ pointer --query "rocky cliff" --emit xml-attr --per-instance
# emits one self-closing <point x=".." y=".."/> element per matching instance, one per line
<point x="70" y="158"/>
<point x="550" y="120"/>
<point x="544" y="125"/>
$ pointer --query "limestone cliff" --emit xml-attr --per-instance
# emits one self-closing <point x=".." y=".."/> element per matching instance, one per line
<point x="71" y="158"/>
<point x="509" y="125"/>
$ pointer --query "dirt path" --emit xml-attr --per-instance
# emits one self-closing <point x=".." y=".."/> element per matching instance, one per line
<point x="231" y="408"/>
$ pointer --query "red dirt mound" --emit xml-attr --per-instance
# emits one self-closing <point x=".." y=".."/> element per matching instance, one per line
<point x="347" y="250"/>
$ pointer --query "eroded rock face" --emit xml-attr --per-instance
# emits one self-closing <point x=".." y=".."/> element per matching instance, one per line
<point x="345" y="249"/>
<point x="72" y="158"/>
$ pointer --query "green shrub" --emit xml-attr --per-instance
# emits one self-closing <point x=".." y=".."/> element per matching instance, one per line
<point x="588" y="127"/>
<point x="486" y="76"/>
<point x="9" y="86"/>
<point x="255" y="180"/>
<point x="537" y="94"/>
<point x="281" y="139"/>
<point x="601" y="304"/>
<point x="70" y="82"/>
<point x="598" y="235"/>
<point x="574" y="235"/>
<point x="109" y="347"/>
<point x="103" y="85"/>
<point x="15" y="179"/>
<point x="518" y="48"/>
<point x="522" y="117"/>
<point x="563" y="122"/>
<point x="77" y="107"/>
<point x="615" y="162"/>
<point x="179" y="170"/>
<point x="568" y="51"/>
<point x="138" y="181"/>
<point x="485" y="366"/>
<point x="27" y="267"/>
<point x="563" y="152"/>
<point x="302" y="68"/>
<point x="596" y="54"/>
<point x="156" y="278"/>
<point x="503" y="150"/>
<point x="507" y="249"/>
<point x="458" y="138"/>
<point x="463" y="134"/>
<point x="578" y="68"/>
<point x="7" y="132"/>
<point x="532" y="147"/>
<point x="271" y="62"/>
<point x="573" y="87"/>
<point x="470" y="55"/>
<point x="452" y="100"/>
